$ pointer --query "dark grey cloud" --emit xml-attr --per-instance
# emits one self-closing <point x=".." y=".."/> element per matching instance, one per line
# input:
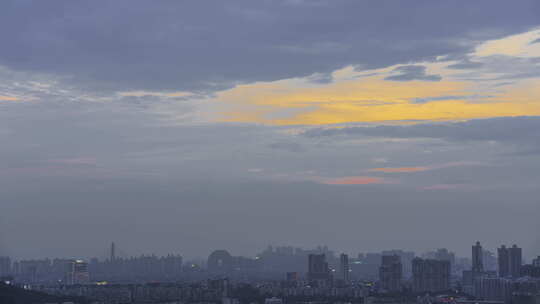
<point x="522" y="131"/>
<point x="535" y="41"/>
<point x="504" y="83"/>
<point x="448" y="97"/>
<point x="210" y="45"/>
<point x="465" y="64"/>
<point x="412" y="72"/>
<point x="438" y="98"/>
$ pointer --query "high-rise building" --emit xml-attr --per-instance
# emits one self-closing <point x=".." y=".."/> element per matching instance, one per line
<point x="503" y="261"/>
<point x="467" y="281"/>
<point x="406" y="260"/>
<point x="344" y="268"/>
<point x="366" y="266"/>
<point x="536" y="262"/>
<point x="33" y="271"/>
<point x="477" y="258"/>
<point x="514" y="261"/>
<point x="5" y="266"/>
<point x="113" y="252"/>
<point x="430" y="275"/>
<point x="77" y="272"/>
<point x="318" y="269"/>
<point x="442" y="254"/>
<point x="391" y="273"/>
<point x="510" y="261"/>
<point x="489" y="261"/>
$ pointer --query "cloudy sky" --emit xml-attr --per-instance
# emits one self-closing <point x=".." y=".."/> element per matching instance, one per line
<point x="188" y="126"/>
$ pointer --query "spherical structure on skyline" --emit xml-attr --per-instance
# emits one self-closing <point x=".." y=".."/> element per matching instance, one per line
<point x="219" y="261"/>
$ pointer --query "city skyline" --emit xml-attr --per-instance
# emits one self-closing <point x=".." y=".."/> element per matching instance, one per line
<point x="112" y="252"/>
<point x="286" y="274"/>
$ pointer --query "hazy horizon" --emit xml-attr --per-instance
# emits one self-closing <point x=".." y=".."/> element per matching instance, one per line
<point x="419" y="221"/>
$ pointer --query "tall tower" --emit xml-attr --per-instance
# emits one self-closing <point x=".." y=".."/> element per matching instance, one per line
<point x="344" y="267"/>
<point x="503" y="260"/>
<point x="514" y="261"/>
<point x="477" y="261"/>
<point x="5" y="266"/>
<point x="391" y="273"/>
<point x="113" y="252"/>
<point x="318" y="268"/>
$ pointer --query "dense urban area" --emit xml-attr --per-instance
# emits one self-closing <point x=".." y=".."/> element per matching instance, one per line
<point x="280" y="275"/>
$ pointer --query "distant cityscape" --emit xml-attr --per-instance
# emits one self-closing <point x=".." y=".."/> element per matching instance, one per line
<point x="288" y="274"/>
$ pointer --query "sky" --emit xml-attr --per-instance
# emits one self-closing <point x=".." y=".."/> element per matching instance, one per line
<point x="188" y="126"/>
